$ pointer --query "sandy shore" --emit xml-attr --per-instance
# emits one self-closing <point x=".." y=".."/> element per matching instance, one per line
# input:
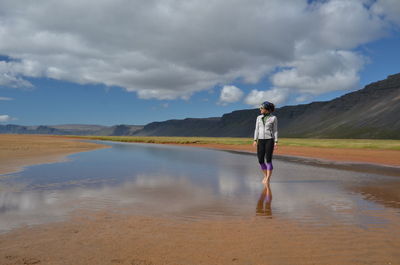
<point x="383" y="157"/>
<point x="105" y="238"/>
<point x="19" y="150"/>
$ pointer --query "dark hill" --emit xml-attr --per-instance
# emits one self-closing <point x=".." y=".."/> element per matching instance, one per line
<point x="371" y="112"/>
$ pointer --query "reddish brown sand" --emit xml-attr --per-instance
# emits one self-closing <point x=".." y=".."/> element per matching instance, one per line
<point x="19" y="150"/>
<point x="383" y="157"/>
<point x="105" y="238"/>
<point x="110" y="238"/>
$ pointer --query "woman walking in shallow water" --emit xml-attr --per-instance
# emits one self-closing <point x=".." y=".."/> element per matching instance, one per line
<point x="266" y="138"/>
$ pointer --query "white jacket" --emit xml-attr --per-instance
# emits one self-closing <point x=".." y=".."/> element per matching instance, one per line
<point x="267" y="131"/>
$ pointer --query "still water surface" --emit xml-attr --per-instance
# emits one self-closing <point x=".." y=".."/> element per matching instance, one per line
<point x="195" y="183"/>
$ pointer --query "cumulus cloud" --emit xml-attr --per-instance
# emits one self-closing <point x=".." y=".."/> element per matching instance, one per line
<point x="321" y="72"/>
<point x="173" y="49"/>
<point x="274" y="95"/>
<point x="5" y="118"/>
<point x="303" y="97"/>
<point x="389" y="9"/>
<point x="10" y="74"/>
<point x="344" y="24"/>
<point x="230" y="94"/>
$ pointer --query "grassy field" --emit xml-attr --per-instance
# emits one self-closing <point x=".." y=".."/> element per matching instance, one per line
<point x="328" y="143"/>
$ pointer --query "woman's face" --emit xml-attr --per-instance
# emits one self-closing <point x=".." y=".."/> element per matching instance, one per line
<point x="263" y="111"/>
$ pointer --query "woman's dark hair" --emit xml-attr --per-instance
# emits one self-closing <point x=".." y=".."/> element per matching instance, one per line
<point x="271" y="107"/>
<point x="268" y="106"/>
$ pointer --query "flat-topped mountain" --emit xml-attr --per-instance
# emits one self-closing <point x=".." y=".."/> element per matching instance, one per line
<point x="371" y="112"/>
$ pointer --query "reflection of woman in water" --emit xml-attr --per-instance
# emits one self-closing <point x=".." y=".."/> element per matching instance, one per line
<point x="266" y="196"/>
<point x="266" y="138"/>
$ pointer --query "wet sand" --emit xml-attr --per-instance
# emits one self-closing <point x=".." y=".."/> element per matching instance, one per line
<point x="19" y="150"/>
<point x="105" y="238"/>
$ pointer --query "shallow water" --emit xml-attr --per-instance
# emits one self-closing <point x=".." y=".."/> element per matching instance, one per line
<point x="195" y="183"/>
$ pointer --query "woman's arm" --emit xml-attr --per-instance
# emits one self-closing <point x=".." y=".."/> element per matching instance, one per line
<point x="256" y="131"/>
<point x="276" y="129"/>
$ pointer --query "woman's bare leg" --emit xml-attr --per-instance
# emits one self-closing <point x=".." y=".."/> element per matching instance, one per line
<point x="265" y="172"/>
<point x="267" y="176"/>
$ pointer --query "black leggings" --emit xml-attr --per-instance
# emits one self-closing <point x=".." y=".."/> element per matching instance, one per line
<point x="265" y="149"/>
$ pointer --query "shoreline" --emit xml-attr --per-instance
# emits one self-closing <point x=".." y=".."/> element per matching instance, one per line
<point x="18" y="151"/>
<point x="383" y="157"/>
<point x="353" y="164"/>
<point x="339" y="155"/>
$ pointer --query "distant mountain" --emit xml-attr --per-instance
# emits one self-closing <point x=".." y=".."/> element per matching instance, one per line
<point x="71" y="129"/>
<point x="19" y="129"/>
<point x="371" y="112"/>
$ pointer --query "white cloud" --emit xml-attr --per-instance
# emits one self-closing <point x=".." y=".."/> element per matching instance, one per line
<point x="5" y="98"/>
<point x="390" y="9"/>
<point x="321" y="72"/>
<point x="303" y="98"/>
<point x="274" y="95"/>
<point x="5" y="118"/>
<point x="230" y="94"/>
<point x="10" y="74"/>
<point x="172" y="49"/>
<point x="344" y="24"/>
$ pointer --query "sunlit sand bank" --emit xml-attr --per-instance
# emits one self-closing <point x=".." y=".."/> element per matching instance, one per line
<point x="20" y="150"/>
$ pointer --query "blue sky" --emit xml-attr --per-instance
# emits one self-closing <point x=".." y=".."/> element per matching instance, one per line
<point x="43" y="82"/>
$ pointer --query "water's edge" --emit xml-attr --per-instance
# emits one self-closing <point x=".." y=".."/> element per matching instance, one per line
<point x="351" y="166"/>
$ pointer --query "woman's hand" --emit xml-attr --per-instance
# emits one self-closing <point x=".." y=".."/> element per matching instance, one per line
<point x="254" y="143"/>
<point x="276" y="146"/>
